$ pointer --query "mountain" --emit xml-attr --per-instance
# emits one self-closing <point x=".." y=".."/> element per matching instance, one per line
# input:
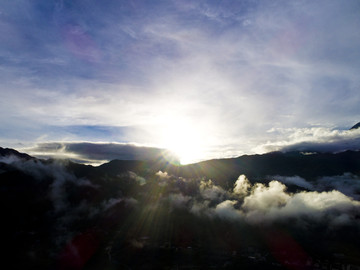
<point x="4" y="152"/>
<point x="355" y="126"/>
<point x="277" y="163"/>
<point x="133" y="214"/>
<point x="225" y="171"/>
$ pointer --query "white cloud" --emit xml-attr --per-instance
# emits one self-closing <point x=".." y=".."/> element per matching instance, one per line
<point x="312" y="139"/>
<point x="348" y="183"/>
<point x="263" y="197"/>
<point x="294" y="180"/>
<point x="305" y="202"/>
<point x="242" y="186"/>
<point x="272" y="203"/>
<point x="163" y="175"/>
<point x="211" y="192"/>
<point x="226" y="210"/>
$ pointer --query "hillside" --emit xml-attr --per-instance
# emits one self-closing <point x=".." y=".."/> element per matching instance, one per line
<point x="226" y="213"/>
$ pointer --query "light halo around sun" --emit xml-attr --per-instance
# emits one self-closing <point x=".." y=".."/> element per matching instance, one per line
<point x="184" y="139"/>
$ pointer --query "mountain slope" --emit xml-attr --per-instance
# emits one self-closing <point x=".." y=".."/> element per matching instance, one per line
<point x="356" y="126"/>
<point x="287" y="164"/>
<point x="225" y="171"/>
<point x="6" y="152"/>
<point x="57" y="214"/>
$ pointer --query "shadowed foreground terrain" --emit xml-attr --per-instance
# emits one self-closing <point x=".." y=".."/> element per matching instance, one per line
<point x="272" y="211"/>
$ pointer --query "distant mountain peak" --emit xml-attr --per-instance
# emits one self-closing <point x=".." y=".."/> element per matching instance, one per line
<point x="11" y="152"/>
<point x="356" y="126"/>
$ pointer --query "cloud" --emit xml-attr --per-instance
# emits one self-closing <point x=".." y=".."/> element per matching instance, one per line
<point x="126" y="64"/>
<point x="273" y="203"/>
<point x="211" y="192"/>
<point x="263" y="197"/>
<point x="333" y="207"/>
<point x="201" y="208"/>
<point x="261" y="203"/>
<point x="162" y="175"/>
<point x="316" y="139"/>
<point x="107" y="204"/>
<point x="293" y="180"/>
<point x="226" y="210"/>
<point x="242" y="186"/>
<point x="99" y="152"/>
<point x="140" y="180"/>
<point x="347" y="184"/>
<point x="178" y="200"/>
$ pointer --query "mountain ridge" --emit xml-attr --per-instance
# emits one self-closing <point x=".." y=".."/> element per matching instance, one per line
<point x="55" y="211"/>
<point x="224" y="171"/>
<point x="356" y="126"/>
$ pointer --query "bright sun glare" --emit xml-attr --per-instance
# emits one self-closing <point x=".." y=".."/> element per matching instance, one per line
<point x="184" y="140"/>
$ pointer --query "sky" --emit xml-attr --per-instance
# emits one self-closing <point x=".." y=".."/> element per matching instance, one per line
<point x="204" y="79"/>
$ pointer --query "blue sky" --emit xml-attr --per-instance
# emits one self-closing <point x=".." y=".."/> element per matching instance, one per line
<point x="204" y="78"/>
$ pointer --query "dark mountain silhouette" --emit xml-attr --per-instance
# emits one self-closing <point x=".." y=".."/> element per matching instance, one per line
<point x="355" y="126"/>
<point x="11" y="152"/>
<point x="225" y="171"/>
<point x="125" y="214"/>
<point x="257" y="167"/>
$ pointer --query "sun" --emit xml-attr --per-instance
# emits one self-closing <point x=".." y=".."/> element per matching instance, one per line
<point x="183" y="139"/>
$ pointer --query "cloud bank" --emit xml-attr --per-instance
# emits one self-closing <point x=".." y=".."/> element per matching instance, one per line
<point x="316" y="139"/>
<point x="97" y="153"/>
<point x="348" y="184"/>
<point x="260" y="203"/>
